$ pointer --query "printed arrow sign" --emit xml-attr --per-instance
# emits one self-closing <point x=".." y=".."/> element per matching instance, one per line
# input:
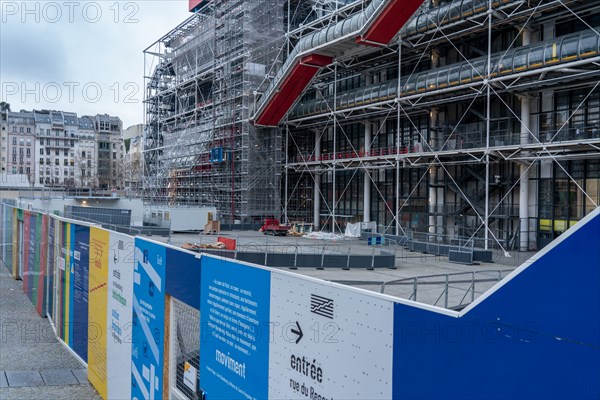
<point x="298" y="332"/>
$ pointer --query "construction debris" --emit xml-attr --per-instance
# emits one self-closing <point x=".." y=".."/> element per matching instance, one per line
<point x="198" y="247"/>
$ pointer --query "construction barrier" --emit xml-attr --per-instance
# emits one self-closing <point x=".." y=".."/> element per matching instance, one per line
<point x="153" y="321"/>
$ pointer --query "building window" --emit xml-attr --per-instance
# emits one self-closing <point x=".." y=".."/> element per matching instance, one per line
<point x="41" y="152"/>
<point x="66" y="153"/>
<point x="21" y="170"/>
<point x="65" y="162"/>
<point x="28" y="152"/>
<point x="56" y="152"/>
<point x="83" y="154"/>
<point x="21" y="130"/>
<point x="28" y="130"/>
<point x="28" y="169"/>
<point x="20" y="150"/>
<point x="14" y="141"/>
<point x="28" y="142"/>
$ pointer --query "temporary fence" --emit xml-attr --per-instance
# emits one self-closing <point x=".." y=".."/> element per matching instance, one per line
<point x="152" y="321"/>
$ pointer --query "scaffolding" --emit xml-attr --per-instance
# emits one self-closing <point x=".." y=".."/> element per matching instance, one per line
<point x="474" y="118"/>
<point x="200" y="148"/>
<point x="480" y="119"/>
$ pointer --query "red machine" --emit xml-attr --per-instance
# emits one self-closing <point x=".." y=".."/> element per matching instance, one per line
<point x="273" y="227"/>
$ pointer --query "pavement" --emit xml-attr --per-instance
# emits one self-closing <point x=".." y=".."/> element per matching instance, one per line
<point x="33" y="363"/>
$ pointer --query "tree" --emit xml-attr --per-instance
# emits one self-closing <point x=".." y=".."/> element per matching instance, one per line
<point x="4" y="106"/>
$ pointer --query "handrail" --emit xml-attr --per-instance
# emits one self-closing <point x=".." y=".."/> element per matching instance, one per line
<point x="445" y="281"/>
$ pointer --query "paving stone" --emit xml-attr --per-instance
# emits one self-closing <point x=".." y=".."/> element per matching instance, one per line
<point x="3" y="381"/>
<point x="57" y="377"/>
<point x="24" y="378"/>
<point x="81" y="375"/>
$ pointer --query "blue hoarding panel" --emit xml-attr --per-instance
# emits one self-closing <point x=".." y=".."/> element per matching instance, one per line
<point x="81" y="255"/>
<point x="534" y="336"/>
<point x="234" y="335"/>
<point x="183" y="277"/>
<point x="148" y="320"/>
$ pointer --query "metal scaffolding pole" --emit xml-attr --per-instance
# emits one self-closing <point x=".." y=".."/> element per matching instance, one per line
<point x="285" y="204"/>
<point x="398" y="141"/>
<point x="487" y="129"/>
<point x="333" y="194"/>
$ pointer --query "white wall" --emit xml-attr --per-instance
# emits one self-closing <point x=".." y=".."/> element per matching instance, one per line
<point x="58" y="204"/>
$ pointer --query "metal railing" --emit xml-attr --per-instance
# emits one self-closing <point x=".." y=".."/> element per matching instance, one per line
<point x="344" y="250"/>
<point x="453" y="291"/>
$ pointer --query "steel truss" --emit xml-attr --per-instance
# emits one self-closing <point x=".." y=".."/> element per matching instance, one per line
<point x="440" y="161"/>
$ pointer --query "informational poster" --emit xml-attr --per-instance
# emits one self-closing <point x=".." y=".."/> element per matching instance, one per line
<point x="110" y="302"/>
<point x="65" y="290"/>
<point x="234" y="339"/>
<point x="328" y="342"/>
<point x="97" y="310"/>
<point x="51" y="267"/>
<point x="3" y="230"/>
<point x="120" y="328"/>
<point x="28" y="254"/>
<point x="148" y="320"/>
<point x="80" y="277"/>
<point x="42" y="261"/>
<point x="15" y="244"/>
<point x="35" y="240"/>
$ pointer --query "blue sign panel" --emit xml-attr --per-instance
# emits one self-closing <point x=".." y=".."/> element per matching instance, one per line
<point x="216" y="155"/>
<point x="234" y="334"/>
<point x="81" y="255"/>
<point x="148" y="320"/>
<point x="535" y="336"/>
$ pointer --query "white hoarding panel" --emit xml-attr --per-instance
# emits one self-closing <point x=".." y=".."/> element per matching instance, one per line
<point x="120" y="295"/>
<point x="328" y="342"/>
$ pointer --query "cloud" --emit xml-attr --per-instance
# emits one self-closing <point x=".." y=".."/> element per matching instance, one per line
<point x="32" y="53"/>
<point x="94" y="58"/>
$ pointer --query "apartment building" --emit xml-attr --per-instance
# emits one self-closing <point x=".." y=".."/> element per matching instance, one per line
<point x="108" y="132"/>
<point x="59" y="149"/>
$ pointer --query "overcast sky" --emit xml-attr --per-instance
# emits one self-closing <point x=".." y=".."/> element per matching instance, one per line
<point x="81" y="56"/>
